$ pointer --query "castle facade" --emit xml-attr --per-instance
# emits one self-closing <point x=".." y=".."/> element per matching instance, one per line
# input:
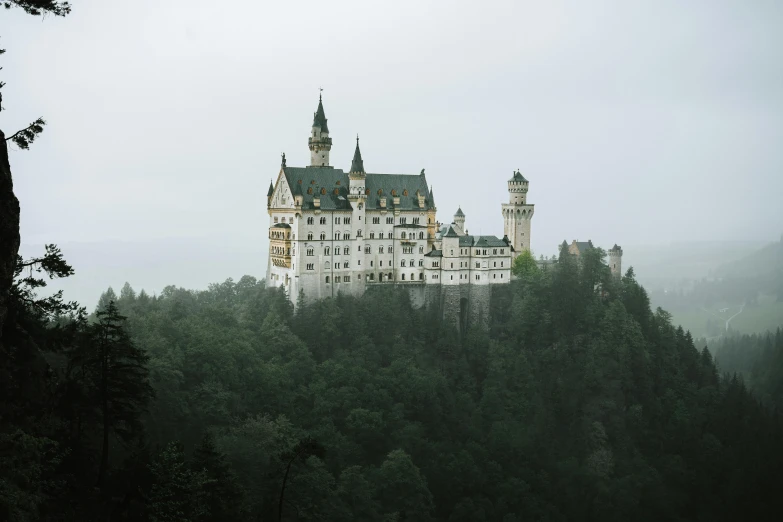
<point x="334" y="231"/>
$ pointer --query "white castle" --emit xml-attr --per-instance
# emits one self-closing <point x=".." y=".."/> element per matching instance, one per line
<point x="332" y="231"/>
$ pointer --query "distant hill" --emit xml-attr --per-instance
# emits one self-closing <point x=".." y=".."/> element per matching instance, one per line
<point x="766" y="262"/>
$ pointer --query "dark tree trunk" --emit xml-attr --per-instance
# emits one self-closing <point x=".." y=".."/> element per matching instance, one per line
<point x="9" y="230"/>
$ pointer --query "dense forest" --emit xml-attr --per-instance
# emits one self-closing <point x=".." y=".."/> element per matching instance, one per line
<point x="758" y="360"/>
<point x="577" y="402"/>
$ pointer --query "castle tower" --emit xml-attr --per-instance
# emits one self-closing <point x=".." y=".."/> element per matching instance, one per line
<point x="357" y="175"/>
<point x="517" y="214"/>
<point x="358" y="199"/>
<point x="459" y="219"/>
<point x="319" y="142"/>
<point x="615" y="261"/>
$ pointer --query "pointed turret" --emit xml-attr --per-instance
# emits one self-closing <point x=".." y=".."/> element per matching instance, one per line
<point x="319" y="119"/>
<point x="432" y="197"/>
<point x="271" y="190"/>
<point x="357" y="165"/>
<point x="319" y="142"/>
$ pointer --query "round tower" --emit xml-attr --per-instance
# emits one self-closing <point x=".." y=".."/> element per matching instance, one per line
<point x="615" y="261"/>
<point x="459" y="219"/>
<point x="319" y="142"/>
<point x="517" y="214"/>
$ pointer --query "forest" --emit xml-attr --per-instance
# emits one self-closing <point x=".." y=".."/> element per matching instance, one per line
<point x="577" y="402"/>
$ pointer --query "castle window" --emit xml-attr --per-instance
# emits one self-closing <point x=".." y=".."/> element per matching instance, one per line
<point x="415" y="221"/>
<point x="290" y="220"/>
<point x="336" y="221"/>
<point x="326" y="251"/>
<point x="484" y="252"/>
<point x="346" y="236"/>
<point x="390" y="276"/>
<point x="322" y="221"/>
<point x="411" y="263"/>
<point x="451" y="278"/>
<point x="310" y="266"/>
<point x="372" y="277"/>
<point x="403" y="236"/>
<point x="376" y="221"/>
<point x="452" y="265"/>
<point x="403" y="221"/>
<point x="347" y="279"/>
<point x="477" y="277"/>
<point x="495" y="251"/>
<point x="380" y="263"/>
<point x="359" y="233"/>
<point x="380" y="249"/>
<point x="310" y="251"/>
<point x="421" y="235"/>
<point x="502" y="250"/>
<point x="380" y="236"/>
<point x="478" y="252"/>
<point x="367" y="250"/>
<point x="345" y="264"/>
<point x="389" y="220"/>
<point x="345" y="251"/>
<point x="372" y="235"/>
<point x="359" y="276"/>
<point x="275" y="220"/>
<point x="347" y="221"/>
<point x="421" y="250"/>
<point x="327" y="279"/>
<point x="501" y="264"/>
<point x="494" y="276"/>
<point x="370" y="263"/>
<point x="323" y="236"/>
<point x="451" y="252"/>
<point x="391" y="249"/>
<point x="309" y="236"/>
<point x="327" y="265"/>
<point x="501" y="276"/>
<point x="403" y="277"/>
<point x="495" y="264"/>
<point x="421" y="276"/>
<point x="478" y="265"/>
<point x="337" y="235"/>
<point x="421" y="262"/>
<point x="402" y="262"/>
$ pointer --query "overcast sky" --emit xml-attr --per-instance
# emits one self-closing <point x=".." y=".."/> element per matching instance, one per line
<point x="635" y="122"/>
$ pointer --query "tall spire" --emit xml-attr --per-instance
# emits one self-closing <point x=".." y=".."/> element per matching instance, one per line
<point x="357" y="165"/>
<point x="320" y="117"/>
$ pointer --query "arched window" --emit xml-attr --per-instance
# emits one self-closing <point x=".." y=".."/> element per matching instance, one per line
<point x="345" y="251"/>
<point x="421" y="276"/>
<point x="411" y="263"/>
<point x="323" y="220"/>
<point x="323" y="236"/>
<point x="309" y="221"/>
<point x="389" y="277"/>
<point x="328" y="265"/>
<point x="380" y="249"/>
<point x="327" y="279"/>
<point x="413" y="278"/>
<point x="359" y="233"/>
<point x="421" y="235"/>
<point x="403" y="277"/>
<point x="326" y="251"/>
<point x="310" y="236"/>
<point x="402" y="235"/>
<point x="346" y="236"/>
<point x="380" y="236"/>
<point x="402" y="262"/>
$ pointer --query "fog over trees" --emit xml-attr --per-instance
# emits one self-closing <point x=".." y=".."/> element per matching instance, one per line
<point x="578" y="396"/>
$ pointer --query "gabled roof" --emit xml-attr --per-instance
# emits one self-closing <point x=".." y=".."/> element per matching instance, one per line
<point x="451" y="232"/>
<point x="400" y="183"/>
<point x="312" y="181"/>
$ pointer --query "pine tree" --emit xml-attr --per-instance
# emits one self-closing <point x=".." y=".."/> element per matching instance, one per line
<point x="224" y="497"/>
<point x="118" y="379"/>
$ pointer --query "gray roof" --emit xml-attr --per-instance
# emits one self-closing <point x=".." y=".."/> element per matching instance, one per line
<point x="281" y="225"/>
<point x="331" y="179"/>
<point x="518" y="177"/>
<point x="271" y="189"/>
<point x="434" y="253"/>
<point x="319" y="119"/>
<point x="451" y="232"/>
<point x="459" y="212"/>
<point x="583" y="245"/>
<point x="399" y="183"/>
<point x="357" y="165"/>
<point x="481" y="241"/>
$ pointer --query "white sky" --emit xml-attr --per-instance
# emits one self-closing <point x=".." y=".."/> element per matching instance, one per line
<point x="635" y="122"/>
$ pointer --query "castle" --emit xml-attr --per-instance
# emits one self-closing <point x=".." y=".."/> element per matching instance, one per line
<point x="333" y="231"/>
